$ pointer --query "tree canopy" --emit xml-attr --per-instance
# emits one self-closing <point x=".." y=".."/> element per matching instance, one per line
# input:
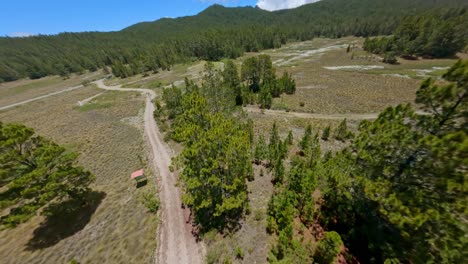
<point x="396" y="194"/>
<point x="34" y="172"/>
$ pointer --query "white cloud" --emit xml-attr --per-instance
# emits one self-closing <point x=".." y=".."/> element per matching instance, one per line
<point x="282" y="4"/>
<point x="21" y="34"/>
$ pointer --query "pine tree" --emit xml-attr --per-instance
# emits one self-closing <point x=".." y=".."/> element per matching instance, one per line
<point x="261" y="150"/>
<point x="216" y="164"/>
<point x="36" y="172"/>
<point x="342" y="132"/>
<point x="306" y="140"/>
<point x="265" y="99"/>
<point x="231" y="79"/>
<point x="290" y="138"/>
<point x="278" y="171"/>
<point x="326" y="133"/>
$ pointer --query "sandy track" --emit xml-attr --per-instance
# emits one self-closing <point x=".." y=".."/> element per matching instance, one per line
<point x="176" y="242"/>
<point x="87" y="100"/>
<point x="40" y="97"/>
<point x="350" y="116"/>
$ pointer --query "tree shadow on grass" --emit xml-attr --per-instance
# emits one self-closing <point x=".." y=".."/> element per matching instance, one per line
<point x="64" y="220"/>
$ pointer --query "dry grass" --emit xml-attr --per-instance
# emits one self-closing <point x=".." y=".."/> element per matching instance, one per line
<point x="108" y="135"/>
<point x="109" y="140"/>
<point x="252" y="237"/>
<point x="347" y="91"/>
<point x="13" y="92"/>
<point x="175" y="76"/>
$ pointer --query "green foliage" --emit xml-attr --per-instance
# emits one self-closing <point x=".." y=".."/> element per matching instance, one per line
<point x="261" y="150"/>
<point x="390" y="58"/>
<point x="440" y="33"/>
<point x="278" y="171"/>
<point x="259" y="75"/>
<point x="172" y="96"/>
<point x="264" y="98"/>
<point x="342" y="132"/>
<point x="287" y="83"/>
<point x="306" y="140"/>
<point x="218" y="33"/>
<point x="239" y="253"/>
<point x="217" y="162"/>
<point x="216" y="157"/>
<point x="408" y="179"/>
<point x="326" y="133"/>
<point x="34" y="172"/>
<point x="219" y="97"/>
<point x="151" y="201"/>
<point x="290" y="138"/>
<point x="280" y="214"/>
<point x="397" y="194"/>
<point x="231" y="80"/>
<point x="328" y="248"/>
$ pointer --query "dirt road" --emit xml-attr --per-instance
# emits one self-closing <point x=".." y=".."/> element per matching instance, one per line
<point x="350" y="116"/>
<point x="176" y="243"/>
<point x="40" y="97"/>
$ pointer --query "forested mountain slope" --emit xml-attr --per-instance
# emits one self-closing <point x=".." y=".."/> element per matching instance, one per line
<point x="214" y="33"/>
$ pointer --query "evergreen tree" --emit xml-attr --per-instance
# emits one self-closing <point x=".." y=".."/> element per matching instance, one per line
<point x="34" y="172"/>
<point x="290" y="138"/>
<point x="326" y="133"/>
<point x="342" y="132"/>
<point x="265" y="99"/>
<point x="287" y="83"/>
<point x="231" y="79"/>
<point x="216" y="165"/>
<point x="306" y="141"/>
<point x="261" y="150"/>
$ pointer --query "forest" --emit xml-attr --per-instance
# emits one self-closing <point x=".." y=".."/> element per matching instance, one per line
<point x="437" y="34"/>
<point x="395" y="194"/>
<point x="215" y="33"/>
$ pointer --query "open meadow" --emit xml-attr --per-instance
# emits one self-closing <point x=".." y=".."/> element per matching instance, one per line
<point x="107" y="133"/>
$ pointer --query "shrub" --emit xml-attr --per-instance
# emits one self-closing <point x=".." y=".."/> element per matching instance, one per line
<point x="85" y="82"/>
<point x="151" y="201"/>
<point x="328" y="247"/>
<point x="301" y="104"/>
<point x="239" y="253"/>
<point x="390" y="58"/>
<point x="259" y="215"/>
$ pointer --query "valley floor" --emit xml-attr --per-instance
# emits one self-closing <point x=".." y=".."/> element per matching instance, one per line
<point x="108" y="130"/>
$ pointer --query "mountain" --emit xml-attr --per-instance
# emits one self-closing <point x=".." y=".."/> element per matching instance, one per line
<point x="214" y="33"/>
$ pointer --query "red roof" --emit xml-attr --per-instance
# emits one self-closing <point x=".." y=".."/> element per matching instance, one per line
<point x="137" y="173"/>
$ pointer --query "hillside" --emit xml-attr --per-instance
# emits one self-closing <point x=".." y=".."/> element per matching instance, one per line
<point x="215" y="33"/>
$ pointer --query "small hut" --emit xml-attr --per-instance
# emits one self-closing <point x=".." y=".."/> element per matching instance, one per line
<point x="138" y="176"/>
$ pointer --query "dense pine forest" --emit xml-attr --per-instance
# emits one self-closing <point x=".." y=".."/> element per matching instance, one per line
<point x="220" y="32"/>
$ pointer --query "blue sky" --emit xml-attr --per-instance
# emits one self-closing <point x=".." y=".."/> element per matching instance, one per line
<point x="23" y="17"/>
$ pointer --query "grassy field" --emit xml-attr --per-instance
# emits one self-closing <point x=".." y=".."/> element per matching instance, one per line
<point x="108" y="135"/>
<point x="13" y="92"/>
<point x="175" y="76"/>
<point x="330" y="80"/>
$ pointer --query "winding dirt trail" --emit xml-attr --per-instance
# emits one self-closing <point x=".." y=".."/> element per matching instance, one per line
<point x="176" y="242"/>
